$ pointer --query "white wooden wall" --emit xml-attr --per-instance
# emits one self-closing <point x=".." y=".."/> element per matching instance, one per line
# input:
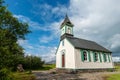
<point x="79" y="64"/>
<point x="69" y="55"/>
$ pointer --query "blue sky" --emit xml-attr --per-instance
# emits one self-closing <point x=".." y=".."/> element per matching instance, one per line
<point x="94" y="20"/>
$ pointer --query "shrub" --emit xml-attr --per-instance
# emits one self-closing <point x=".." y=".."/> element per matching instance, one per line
<point x="5" y="74"/>
<point x="32" y="62"/>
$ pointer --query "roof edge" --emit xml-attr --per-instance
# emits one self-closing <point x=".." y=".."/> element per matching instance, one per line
<point x="94" y="50"/>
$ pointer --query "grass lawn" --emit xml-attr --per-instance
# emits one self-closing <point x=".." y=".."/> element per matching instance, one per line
<point x="114" y="77"/>
<point x="23" y="76"/>
<point x="117" y="68"/>
<point x="47" y="67"/>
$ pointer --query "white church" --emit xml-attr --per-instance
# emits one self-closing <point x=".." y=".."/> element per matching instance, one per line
<point x="77" y="53"/>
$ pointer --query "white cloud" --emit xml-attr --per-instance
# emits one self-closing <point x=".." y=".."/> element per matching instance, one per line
<point x="45" y="39"/>
<point x="34" y="25"/>
<point x="25" y="44"/>
<point x="55" y="32"/>
<point x="116" y="59"/>
<point x="96" y="20"/>
<point x="50" y="55"/>
<point x="47" y="53"/>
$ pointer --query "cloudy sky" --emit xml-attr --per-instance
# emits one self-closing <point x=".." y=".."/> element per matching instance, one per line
<point x="96" y="20"/>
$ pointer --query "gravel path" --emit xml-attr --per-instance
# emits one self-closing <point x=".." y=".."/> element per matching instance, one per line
<point x="61" y="76"/>
<point x="46" y="75"/>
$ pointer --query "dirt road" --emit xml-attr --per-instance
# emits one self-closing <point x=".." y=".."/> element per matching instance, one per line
<point x="46" y="75"/>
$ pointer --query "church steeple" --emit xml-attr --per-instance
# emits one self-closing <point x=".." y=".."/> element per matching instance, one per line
<point x="66" y="27"/>
<point x="66" y="22"/>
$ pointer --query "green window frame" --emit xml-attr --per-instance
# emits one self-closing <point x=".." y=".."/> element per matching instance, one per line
<point x="82" y="55"/>
<point x="109" y="57"/>
<point x="96" y="56"/>
<point x="65" y="28"/>
<point x="93" y="56"/>
<point x="89" y="56"/>
<point x="100" y="57"/>
<point x="105" y="57"/>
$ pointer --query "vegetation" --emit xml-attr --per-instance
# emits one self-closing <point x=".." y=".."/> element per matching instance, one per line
<point x="117" y="66"/>
<point x="11" y="53"/>
<point x="117" y="75"/>
<point x="117" y="63"/>
<point x="23" y="76"/>
<point x="114" y="77"/>
<point x="5" y="74"/>
<point x="11" y="30"/>
<point x="48" y="67"/>
<point x="32" y="62"/>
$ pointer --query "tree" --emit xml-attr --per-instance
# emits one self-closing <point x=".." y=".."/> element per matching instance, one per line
<point x="11" y="30"/>
<point x="32" y="62"/>
<point x="5" y="74"/>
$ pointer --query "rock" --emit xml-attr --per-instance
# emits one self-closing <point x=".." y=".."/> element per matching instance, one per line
<point x="20" y="68"/>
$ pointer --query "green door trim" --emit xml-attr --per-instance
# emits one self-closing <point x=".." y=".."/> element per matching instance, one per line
<point x="100" y="57"/>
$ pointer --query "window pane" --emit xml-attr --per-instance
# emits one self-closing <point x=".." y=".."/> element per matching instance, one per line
<point x="63" y="43"/>
<point x="85" y="55"/>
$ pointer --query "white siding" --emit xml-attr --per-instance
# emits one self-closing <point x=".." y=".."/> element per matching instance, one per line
<point x="69" y="55"/>
<point x="91" y="65"/>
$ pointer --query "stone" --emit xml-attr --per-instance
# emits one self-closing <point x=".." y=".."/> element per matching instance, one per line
<point x="20" y="68"/>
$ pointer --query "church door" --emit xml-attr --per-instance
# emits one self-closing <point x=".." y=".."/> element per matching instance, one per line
<point x="63" y="60"/>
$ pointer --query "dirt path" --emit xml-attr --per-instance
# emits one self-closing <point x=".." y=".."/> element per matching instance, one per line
<point x="47" y="75"/>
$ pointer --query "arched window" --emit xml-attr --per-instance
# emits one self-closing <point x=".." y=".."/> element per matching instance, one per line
<point x="96" y="57"/>
<point x="69" y="30"/>
<point x="105" y="57"/>
<point x="85" y="55"/>
<point x="63" y="43"/>
<point x="63" y="30"/>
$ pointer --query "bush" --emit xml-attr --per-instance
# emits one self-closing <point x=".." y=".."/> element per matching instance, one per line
<point x="32" y="62"/>
<point x="5" y="74"/>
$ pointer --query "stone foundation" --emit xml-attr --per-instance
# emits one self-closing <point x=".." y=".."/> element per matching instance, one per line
<point x="83" y="70"/>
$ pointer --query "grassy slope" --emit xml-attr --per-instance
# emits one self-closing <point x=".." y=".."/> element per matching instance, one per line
<point x="115" y="76"/>
<point x="47" y="67"/>
<point x="23" y="76"/>
<point x="117" y="68"/>
<point x="27" y="76"/>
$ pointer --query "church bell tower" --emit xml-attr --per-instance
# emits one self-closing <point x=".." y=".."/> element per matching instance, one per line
<point x="66" y="28"/>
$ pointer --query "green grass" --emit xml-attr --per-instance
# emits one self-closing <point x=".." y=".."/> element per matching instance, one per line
<point x="114" y="77"/>
<point x="47" y="67"/>
<point x="117" y="68"/>
<point x="23" y="76"/>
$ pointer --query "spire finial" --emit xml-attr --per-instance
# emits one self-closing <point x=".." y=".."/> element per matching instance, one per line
<point x="66" y="16"/>
<point x="66" y="21"/>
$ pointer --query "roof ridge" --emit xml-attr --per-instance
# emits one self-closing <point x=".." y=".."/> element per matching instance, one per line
<point x="82" y="39"/>
<point x="87" y="44"/>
